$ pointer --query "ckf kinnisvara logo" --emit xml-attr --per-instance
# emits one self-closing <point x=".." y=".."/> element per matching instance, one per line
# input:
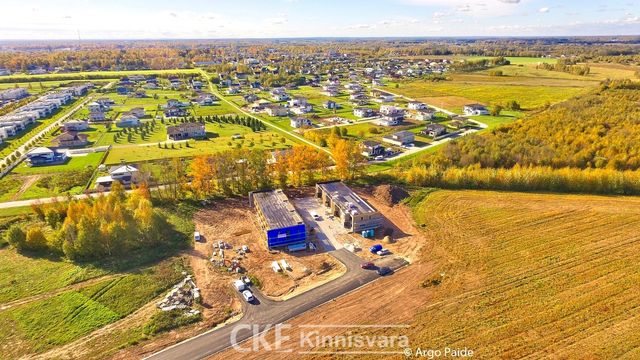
<point x="321" y="339"/>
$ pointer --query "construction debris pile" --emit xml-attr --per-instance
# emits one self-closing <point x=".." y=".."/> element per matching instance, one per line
<point x="182" y="297"/>
<point x="218" y="257"/>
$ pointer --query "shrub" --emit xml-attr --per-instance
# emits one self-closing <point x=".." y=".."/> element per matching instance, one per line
<point x="16" y="237"/>
<point x="36" y="241"/>
<point x="169" y="320"/>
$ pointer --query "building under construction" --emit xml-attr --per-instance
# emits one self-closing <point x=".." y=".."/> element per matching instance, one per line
<point x="281" y="223"/>
<point x="354" y="212"/>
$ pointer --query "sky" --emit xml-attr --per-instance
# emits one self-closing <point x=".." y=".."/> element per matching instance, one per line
<point x="212" y="19"/>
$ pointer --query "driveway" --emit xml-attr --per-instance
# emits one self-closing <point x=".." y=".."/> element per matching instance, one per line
<point x="326" y="229"/>
<point x="269" y="312"/>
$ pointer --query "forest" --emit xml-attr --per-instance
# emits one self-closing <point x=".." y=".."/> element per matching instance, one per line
<point x="598" y="130"/>
<point x="137" y="55"/>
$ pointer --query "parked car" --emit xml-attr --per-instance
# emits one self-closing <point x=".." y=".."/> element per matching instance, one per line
<point x="314" y="215"/>
<point x="367" y="265"/>
<point x="384" y="271"/>
<point x="379" y="158"/>
<point x="375" y="248"/>
<point x="196" y="236"/>
<point x="248" y="296"/>
<point x="383" y="252"/>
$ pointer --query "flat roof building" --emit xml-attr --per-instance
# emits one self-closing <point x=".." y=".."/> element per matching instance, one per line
<point x="280" y="221"/>
<point x="354" y="212"/>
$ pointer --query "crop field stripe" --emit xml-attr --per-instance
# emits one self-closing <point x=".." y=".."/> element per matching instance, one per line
<point x="525" y="276"/>
<point x="516" y="290"/>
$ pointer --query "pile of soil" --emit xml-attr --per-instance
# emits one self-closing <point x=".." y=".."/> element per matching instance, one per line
<point x="390" y="194"/>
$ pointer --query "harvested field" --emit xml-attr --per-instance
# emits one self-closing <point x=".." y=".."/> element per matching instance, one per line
<point x="509" y="275"/>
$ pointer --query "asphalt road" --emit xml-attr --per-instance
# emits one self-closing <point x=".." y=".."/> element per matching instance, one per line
<point x="269" y="312"/>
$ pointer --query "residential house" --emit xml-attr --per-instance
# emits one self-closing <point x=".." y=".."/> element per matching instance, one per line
<point x="388" y="121"/>
<point x="434" y="131"/>
<point x="124" y="174"/>
<point x="382" y="97"/>
<point x="475" y="110"/>
<point x="276" y="110"/>
<point x="249" y="98"/>
<point x="401" y="138"/>
<point x="97" y="116"/>
<point x="174" y="111"/>
<point x="176" y="103"/>
<point x="128" y="120"/>
<point x="138" y="112"/>
<point x="70" y="139"/>
<point x="300" y="122"/>
<point x="13" y="94"/>
<point x="424" y="115"/>
<point x="330" y="105"/>
<point x="371" y="148"/>
<point x="75" y="125"/>
<point x="362" y="112"/>
<point x="186" y="131"/>
<point x="415" y="105"/>
<point x="44" y="156"/>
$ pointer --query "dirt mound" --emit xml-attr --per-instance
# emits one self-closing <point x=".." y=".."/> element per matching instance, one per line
<point x="390" y="194"/>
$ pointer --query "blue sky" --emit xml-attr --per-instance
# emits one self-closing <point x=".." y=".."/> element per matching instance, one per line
<point x="145" y="19"/>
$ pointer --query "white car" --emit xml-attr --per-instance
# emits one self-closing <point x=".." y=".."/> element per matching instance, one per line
<point x="383" y="252"/>
<point x="247" y="295"/>
<point x="379" y="158"/>
<point x="196" y="236"/>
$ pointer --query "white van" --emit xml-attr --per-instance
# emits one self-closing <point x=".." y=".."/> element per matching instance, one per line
<point x="314" y="215"/>
<point x="196" y="236"/>
<point x="240" y="285"/>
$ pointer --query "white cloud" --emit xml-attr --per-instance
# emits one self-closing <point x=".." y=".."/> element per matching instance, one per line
<point x="544" y="10"/>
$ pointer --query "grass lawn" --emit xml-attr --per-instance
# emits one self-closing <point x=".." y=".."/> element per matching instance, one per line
<point x="43" y="324"/>
<point x="13" y="211"/>
<point x="529" y="97"/>
<point x="263" y="140"/>
<point x="74" y="163"/>
<point x="24" y="276"/>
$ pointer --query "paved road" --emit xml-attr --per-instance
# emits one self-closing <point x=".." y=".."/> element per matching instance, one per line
<point x="266" y="311"/>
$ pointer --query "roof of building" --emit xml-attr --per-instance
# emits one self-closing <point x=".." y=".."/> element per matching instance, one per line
<point x="40" y="151"/>
<point x="277" y="209"/>
<point x="346" y="199"/>
<point x="122" y="169"/>
<point x="183" y="127"/>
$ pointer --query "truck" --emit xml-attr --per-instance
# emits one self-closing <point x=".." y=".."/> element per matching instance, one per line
<point x="240" y="285"/>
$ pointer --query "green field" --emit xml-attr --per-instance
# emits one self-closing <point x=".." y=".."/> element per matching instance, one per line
<point x="529" y="97"/>
<point x="74" y="163"/>
<point x="262" y="140"/>
<point x="42" y="324"/>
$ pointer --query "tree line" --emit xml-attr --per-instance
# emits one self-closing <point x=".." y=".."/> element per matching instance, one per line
<point x="94" y="228"/>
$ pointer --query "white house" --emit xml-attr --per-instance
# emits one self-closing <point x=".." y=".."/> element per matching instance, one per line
<point x="400" y="138"/>
<point x="75" y="125"/>
<point x="362" y="112"/>
<point x="415" y="105"/>
<point x="128" y="120"/>
<point x="475" y="110"/>
<point x="298" y="122"/>
<point x="424" y="115"/>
